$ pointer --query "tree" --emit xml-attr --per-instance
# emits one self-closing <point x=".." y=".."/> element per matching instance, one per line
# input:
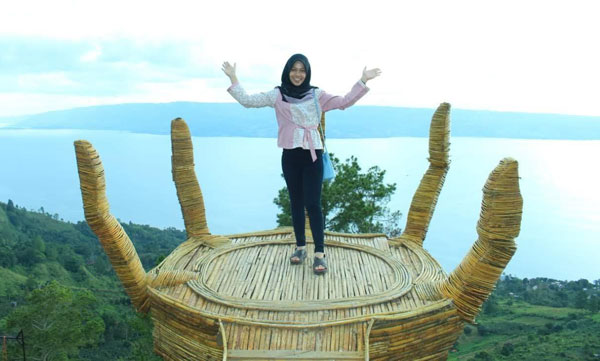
<point x="580" y="299"/>
<point x="490" y="306"/>
<point x="142" y="348"/>
<point x="72" y="262"/>
<point x="10" y="206"/>
<point x="482" y="355"/>
<point x="7" y="257"/>
<point x="354" y="202"/>
<point x="507" y="349"/>
<point x="593" y="304"/>
<point x="27" y="255"/>
<point x="57" y="322"/>
<point x="38" y="244"/>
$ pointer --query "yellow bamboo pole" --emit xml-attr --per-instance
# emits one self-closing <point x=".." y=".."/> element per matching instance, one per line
<point x="113" y="238"/>
<point x="188" y="189"/>
<point x="425" y="198"/>
<point x="471" y="283"/>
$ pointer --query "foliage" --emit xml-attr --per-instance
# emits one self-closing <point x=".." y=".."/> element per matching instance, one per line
<point x="37" y="248"/>
<point x="354" y="202"/>
<point x="507" y="349"/>
<point x="511" y="327"/>
<point x="57" y="322"/>
<point x="491" y="305"/>
<point x="580" y="294"/>
<point x="484" y="356"/>
<point x="541" y="318"/>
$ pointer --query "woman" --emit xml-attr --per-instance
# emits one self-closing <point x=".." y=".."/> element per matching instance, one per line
<point x="298" y="107"/>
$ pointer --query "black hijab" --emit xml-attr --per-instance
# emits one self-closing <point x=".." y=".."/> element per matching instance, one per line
<point x="287" y="88"/>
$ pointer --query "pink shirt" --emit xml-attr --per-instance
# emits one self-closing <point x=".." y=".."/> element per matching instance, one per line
<point x="298" y="122"/>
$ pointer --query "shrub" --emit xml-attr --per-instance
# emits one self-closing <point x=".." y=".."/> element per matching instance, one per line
<point x="483" y="356"/>
<point x="483" y="330"/>
<point x="543" y="331"/>
<point x="573" y="316"/>
<point x="507" y="349"/>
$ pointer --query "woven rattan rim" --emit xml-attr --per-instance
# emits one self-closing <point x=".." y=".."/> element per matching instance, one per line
<point x="430" y="270"/>
<point x="160" y="299"/>
<point x="402" y="283"/>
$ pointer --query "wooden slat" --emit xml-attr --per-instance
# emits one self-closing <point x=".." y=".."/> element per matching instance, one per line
<point x="293" y="355"/>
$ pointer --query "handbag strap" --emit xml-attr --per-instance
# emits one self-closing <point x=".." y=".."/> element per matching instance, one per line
<point x="319" y="118"/>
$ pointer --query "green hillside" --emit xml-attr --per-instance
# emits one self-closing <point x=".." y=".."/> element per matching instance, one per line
<point x="537" y="319"/>
<point x="50" y="269"/>
<point x="45" y="261"/>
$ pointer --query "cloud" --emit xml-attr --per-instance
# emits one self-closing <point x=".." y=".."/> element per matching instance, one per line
<point x="91" y="55"/>
<point x="39" y="54"/>
<point x="535" y="55"/>
<point x="43" y="81"/>
<point x="22" y="55"/>
<point x="100" y="68"/>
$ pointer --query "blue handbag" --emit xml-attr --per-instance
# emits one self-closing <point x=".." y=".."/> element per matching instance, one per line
<point x="328" y="170"/>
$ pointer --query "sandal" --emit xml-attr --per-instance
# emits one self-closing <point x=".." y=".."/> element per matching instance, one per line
<point x="319" y="262"/>
<point x="300" y="254"/>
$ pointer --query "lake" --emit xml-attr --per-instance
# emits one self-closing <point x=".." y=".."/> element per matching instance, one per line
<point x="241" y="176"/>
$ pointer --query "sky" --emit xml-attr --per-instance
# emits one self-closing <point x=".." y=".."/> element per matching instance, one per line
<point x="525" y="56"/>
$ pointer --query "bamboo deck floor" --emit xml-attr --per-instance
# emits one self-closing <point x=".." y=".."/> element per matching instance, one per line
<point x="265" y="303"/>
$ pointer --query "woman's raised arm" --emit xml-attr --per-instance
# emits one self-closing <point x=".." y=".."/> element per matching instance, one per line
<point x="366" y="75"/>
<point x="329" y="102"/>
<point x="247" y="100"/>
<point x="230" y="71"/>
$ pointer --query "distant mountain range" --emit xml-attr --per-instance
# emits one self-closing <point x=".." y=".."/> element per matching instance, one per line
<point x="232" y="120"/>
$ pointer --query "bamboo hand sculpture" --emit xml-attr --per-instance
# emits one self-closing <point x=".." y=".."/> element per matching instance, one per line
<point x="388" y="297"/>
<point x="113" y="238"/>
<point x="471" y="283"/>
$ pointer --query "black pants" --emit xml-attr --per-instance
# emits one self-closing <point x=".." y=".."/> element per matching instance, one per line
<point x="304" y="179"/>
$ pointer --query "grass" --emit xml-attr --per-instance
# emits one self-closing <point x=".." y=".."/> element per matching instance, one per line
<point x="552" y="313"/>
<point x="10" y="281"/>
<point x="7" y="275"/>
<point x="471" y="345"/>
<point x="533" y="332"/>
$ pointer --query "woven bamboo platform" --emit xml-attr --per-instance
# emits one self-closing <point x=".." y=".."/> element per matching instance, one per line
<point x="237" y="297"/>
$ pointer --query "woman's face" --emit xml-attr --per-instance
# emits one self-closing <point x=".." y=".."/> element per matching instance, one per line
<point x="298" y="73"/>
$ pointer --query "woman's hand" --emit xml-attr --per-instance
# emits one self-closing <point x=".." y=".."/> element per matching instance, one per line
<point x="230" y="71"/>
<point x="370" y="74"/>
